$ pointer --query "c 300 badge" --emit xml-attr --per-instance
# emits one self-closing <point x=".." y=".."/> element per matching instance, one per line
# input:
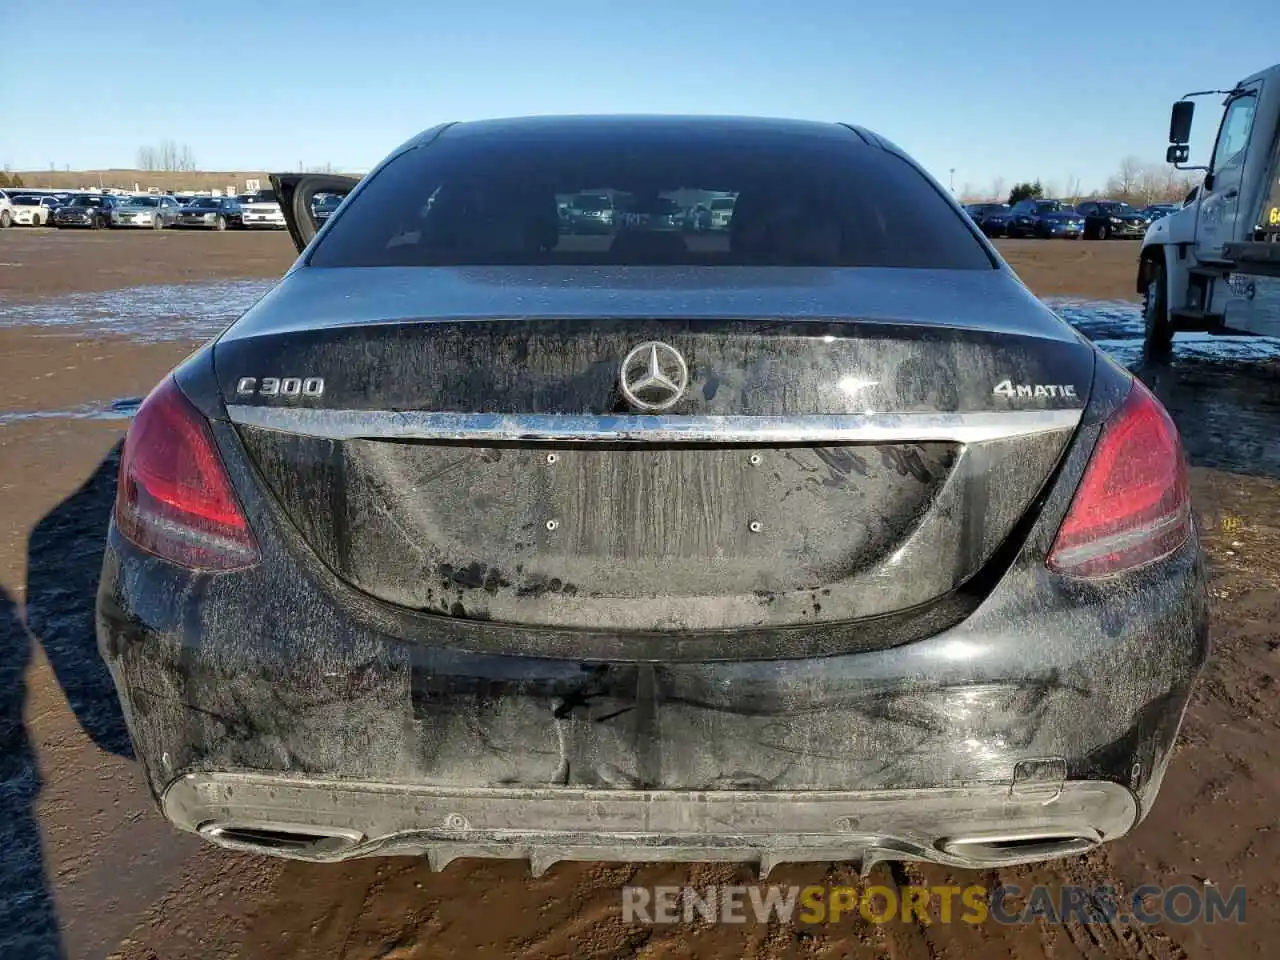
<point x="280" y="387"/>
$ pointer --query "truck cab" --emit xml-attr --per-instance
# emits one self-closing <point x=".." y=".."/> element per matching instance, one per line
<point x="1214" y="265"/>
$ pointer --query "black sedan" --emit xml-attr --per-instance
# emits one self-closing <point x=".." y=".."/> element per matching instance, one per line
<point x="991" y="218"/>
<point x="85" y="210"/>
<point x="817" y="537"/>
<point x="211" y="213"/>
<point x="1104" y="219"/>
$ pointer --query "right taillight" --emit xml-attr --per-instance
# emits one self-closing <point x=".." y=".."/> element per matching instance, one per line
<point x="174" y="498"/>
<point x="1133" y="505"/>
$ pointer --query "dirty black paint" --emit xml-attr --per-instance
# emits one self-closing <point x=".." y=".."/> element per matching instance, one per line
<point x="431" y="628"/>
<point x="736" y="367"/>
<point x="654" y="537"/>
<point x="284" y="668"/>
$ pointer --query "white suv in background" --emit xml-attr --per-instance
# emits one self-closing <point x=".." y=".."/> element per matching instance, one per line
<point x="261" y="209"/>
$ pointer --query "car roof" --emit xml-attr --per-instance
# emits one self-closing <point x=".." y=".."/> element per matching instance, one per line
<point x="655" y="126"/>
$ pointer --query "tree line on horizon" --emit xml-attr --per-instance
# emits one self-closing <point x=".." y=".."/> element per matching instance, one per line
<point x="1134" y="182"/>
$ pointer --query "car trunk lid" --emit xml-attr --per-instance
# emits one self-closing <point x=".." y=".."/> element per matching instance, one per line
<point x="813" y="470"/>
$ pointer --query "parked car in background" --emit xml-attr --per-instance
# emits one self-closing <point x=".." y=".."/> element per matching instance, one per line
<point x="1158" y="210"/>
<point x="154" y="212"/>
<point x="648" y="213"/>
<point x="698" y="219"/>
<point x="324" y="206"/>
<point x="261" y="209"/>
<point x="721" y="212"/>
<point x="32" y="211"/>
<point x="1104" y="219"/>
<point x="1044" y="218"/>
<point x="991" y="218"/>
<point x="6" y="210"/>
<point x="211" y="213"/>
<point x="590" y="213"/>
<point x="86" y="210"/>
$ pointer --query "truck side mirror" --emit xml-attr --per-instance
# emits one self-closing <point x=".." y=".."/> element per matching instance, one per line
<point x="1180" y="122"/>
<point x="1177" y="153"/>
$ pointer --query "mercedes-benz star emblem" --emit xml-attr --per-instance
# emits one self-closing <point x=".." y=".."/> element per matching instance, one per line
<point x="653" y="376"/>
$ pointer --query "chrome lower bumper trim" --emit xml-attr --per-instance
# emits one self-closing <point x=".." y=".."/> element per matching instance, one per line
<point x="979" y="826"/>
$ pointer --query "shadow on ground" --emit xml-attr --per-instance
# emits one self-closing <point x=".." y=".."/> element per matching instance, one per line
<point x="63" y="562"/>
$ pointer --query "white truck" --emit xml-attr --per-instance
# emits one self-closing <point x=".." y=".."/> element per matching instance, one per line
<point x="1214" y="265"/>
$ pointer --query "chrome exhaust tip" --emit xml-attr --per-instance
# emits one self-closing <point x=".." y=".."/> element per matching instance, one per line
<point x="1023" y="848"/>
<point x="287" y="840"/>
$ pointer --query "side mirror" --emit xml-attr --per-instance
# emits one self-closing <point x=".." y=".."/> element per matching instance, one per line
<point x="1177" y="153"/>
<point x="1180" y="122"/>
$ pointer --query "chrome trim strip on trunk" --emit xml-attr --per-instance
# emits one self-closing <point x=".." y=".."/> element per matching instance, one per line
<point x="575" y="428"/>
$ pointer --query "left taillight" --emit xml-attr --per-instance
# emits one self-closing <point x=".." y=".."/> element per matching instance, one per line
<point x="174" y="497"/>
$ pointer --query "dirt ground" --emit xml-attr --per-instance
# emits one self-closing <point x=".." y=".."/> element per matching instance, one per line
<point x="90" y="870"/>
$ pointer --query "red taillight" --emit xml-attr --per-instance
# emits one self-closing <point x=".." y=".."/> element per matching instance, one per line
<point x="174" y="497"/>
<point x="1134" y="503"/>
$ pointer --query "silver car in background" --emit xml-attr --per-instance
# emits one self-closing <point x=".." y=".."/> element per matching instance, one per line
<point x="154" y="212"/>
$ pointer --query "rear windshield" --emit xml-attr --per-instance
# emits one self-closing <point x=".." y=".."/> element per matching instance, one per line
<point x="816" y="201"/>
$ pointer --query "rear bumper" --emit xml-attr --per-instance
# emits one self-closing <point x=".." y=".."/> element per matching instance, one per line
<point x="328" y="820"/>
<point x="279" y="698"/>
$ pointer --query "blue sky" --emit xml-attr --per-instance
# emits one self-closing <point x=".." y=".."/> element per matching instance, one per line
<point x="1002" y="89"/>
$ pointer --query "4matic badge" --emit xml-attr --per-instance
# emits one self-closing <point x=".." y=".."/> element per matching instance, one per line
<point x="1021" y="391"/>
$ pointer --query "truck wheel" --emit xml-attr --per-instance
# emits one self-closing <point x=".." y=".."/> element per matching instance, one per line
<point x="220" y="223"/>
<point x="6" y="221"/>
<point x="1158" y="328"/>
<point x="157" y="222"/>
<point x="1104" y="231"/>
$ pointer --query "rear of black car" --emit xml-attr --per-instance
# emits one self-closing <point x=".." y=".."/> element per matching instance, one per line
<point x="92" y="211"/>
<point x="812" y="538"/>
<point x="211" y="213"/>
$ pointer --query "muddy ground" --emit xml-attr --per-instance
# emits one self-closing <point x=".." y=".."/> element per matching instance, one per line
<point x="88" y="870"/>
